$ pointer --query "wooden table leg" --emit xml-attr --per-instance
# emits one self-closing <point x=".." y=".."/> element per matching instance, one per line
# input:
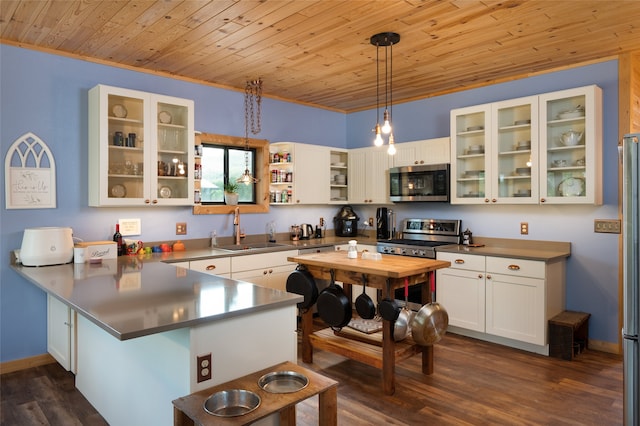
<point x="288" y="416"/>
<point x="388" y="358"/>
<point x="307" y="329"/>
<point x="328" y="407"/>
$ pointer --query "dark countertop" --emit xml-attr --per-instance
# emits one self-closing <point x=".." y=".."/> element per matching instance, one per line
<point x="131" y="297"/>
<point x="546" y="251"/>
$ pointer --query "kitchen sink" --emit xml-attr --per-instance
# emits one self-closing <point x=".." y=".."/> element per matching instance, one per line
<point x="251" y="246"/>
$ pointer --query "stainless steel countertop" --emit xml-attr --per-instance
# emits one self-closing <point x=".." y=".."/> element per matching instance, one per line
<point x="546" y="251"/>
<point x="131" y="297"/>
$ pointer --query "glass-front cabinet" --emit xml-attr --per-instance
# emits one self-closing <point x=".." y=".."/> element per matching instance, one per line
<point x="141" y="148"/>
<point x="514" y="178"/>
<point x="537" y="149"/>
<point x="571" y="146"/>
<point x="470" y="154"/>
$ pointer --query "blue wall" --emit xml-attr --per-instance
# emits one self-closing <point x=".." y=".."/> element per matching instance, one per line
<point x="47" y="95"/>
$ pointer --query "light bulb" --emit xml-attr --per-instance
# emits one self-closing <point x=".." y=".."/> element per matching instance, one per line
<point x="392" y="146"/>
<point x="386" y="127"/>
<point x="378" y="140"/>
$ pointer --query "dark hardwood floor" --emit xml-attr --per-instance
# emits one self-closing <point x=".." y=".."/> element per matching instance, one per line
<point x="475" y="383"/>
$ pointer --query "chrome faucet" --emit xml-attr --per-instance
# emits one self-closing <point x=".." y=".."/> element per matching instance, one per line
<point x="236" y="226"/>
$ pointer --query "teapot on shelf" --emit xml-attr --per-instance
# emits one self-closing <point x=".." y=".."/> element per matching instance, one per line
<point x="571" y="137"/>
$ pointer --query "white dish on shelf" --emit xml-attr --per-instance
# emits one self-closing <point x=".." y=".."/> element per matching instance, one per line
<point x="570" y="114"/>
<point x="571" y="187"/>
<point x="474" y="128"/>
<point x="164" y="117"/>
<point x="339" y="164"/>
<point x="521" y="122"/>
<point x="118" y="191"/>
<point x="119" y="111"/>
<point x="165" y="192"/>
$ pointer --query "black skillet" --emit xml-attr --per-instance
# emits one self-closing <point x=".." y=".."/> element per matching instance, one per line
<point x="301" y="282"/>
<point x="388" y="308"/>
<point x="334" y="306"/>
<point x="364" y="305"/>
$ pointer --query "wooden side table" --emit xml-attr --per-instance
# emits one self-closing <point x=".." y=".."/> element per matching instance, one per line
<point x="188" y="410"/>
<point x="567" y="330"/>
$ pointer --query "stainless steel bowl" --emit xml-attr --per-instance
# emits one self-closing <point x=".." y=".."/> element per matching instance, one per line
<point x="231" y="403"/>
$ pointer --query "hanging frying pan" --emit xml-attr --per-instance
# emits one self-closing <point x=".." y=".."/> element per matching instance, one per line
<point x="431" y="321"/>
<point x="334" y="307"/>
<point x="388" y="308"/>
<point x="364" y="305"/>
<point x="301" y="282"/>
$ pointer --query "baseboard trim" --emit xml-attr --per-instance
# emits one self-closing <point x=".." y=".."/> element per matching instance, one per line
<point x="602" y="346"/>
<point x="24" y="363"/>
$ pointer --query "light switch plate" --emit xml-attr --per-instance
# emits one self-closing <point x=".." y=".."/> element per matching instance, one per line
<point x="608" y="226"/>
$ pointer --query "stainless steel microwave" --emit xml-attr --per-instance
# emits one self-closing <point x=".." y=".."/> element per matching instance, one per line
<point x="429" y="182"/>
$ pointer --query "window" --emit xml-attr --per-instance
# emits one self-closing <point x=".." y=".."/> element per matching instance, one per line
<point x="222" y="164"/>
<point x="259" y="162"/>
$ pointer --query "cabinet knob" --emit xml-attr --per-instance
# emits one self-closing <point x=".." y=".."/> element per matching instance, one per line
<point x="458" y="261"/>
<point x="154" y="202"/>
<point x="270" y="271"/>
<point x="486" y="200"/>
<point x="542" y="200"/>
<point x="210" y="267"/>
<point x="493" y="200"/>
<point x="488" y="277"/>
<point x="147" y="202"/>
<point x="513" y="267"/>
<point x="479" y="275"/>
<point x="264" y="272"/>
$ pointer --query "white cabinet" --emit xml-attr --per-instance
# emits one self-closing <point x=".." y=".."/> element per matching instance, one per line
<point x="214" y="266"/>
<point x="516" y="151"/>
<point x="61" y="333"/>
<point x="264" y="269"/>
<point x="141" y="148"/>
<point x="505" y="300"/>
<point x="368" y="176"/>
<point x="461" y="290"/>
<point x="428" y="151"/>
<point x="300" y="175"/>
<point x="571" y="168"/>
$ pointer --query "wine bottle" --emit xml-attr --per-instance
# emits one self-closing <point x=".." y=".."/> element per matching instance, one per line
<point x="117" y="237"/>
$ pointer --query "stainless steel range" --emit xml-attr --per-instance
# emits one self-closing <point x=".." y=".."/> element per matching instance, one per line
<point x="420" y="237"/>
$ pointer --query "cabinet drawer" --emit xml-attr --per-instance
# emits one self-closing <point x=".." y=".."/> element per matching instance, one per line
<point x="517" y="267"/>
<point x="215" y="266"/>
<point x="262" y="260"/>
<point x="463" y="261"/>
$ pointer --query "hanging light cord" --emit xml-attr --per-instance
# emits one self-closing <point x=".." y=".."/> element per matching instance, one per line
<point x="252" y="114"/>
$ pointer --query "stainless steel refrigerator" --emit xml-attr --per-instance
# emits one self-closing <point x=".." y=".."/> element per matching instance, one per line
<point x="631" y="283"/>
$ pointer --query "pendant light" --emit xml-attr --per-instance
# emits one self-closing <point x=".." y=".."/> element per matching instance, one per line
<point x="386" y="40"/>
<point x="252" y="105"/>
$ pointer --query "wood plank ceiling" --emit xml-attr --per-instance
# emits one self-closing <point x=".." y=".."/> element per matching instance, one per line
<point x="318" y="52"/>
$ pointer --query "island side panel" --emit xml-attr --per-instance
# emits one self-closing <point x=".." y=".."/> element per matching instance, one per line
<point x="133" y="381"/>
<point x="243" y="345"/>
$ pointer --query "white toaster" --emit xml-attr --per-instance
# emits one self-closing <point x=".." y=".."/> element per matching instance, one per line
<point x="46" y="246"/>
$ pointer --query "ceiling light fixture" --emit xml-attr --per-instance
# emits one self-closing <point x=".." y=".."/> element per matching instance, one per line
<point x="252" y="106"/>
<point x="386" y="40"/>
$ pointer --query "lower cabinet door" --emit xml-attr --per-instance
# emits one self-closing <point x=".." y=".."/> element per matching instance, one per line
<point x="59" y="332"/>
<point x="462" y="294"/>
<point x="516" y="308"/>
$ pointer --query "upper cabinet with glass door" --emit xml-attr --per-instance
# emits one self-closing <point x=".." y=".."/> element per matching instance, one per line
<point x="470" y="154"/>
<point x="571" y="146"/>
<point x="141" y="148"/>
<point x="514" y="138"/>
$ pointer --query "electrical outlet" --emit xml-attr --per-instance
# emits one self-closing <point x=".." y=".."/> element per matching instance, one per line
<point x="370" y="221"/>
<point x="321" y="221"/>
<point x="181" y="228"/>
<point x="609" y="226"/>
<point x="524" y="228"/>
<point x="203" y="368"/>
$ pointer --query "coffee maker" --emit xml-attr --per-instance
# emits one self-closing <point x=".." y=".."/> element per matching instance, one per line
<point x="346" y="222"/>
<point x="385" y="223"/>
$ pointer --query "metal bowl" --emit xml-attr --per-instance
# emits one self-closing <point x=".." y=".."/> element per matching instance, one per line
<point x="283" y="382"/>
<point x="231" y="403"/>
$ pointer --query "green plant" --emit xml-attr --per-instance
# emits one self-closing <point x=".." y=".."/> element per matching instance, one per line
<point x="231" y="187"/>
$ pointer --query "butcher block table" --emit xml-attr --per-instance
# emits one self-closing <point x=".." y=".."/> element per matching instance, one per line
<point x="387" y="274"/>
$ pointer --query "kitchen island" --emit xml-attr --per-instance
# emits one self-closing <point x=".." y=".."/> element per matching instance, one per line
<point x="142" y="324"/>
<point x="387" y="274"/>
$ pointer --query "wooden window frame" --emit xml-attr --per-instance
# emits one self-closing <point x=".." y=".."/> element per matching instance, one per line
<point x="262" y="171"/>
